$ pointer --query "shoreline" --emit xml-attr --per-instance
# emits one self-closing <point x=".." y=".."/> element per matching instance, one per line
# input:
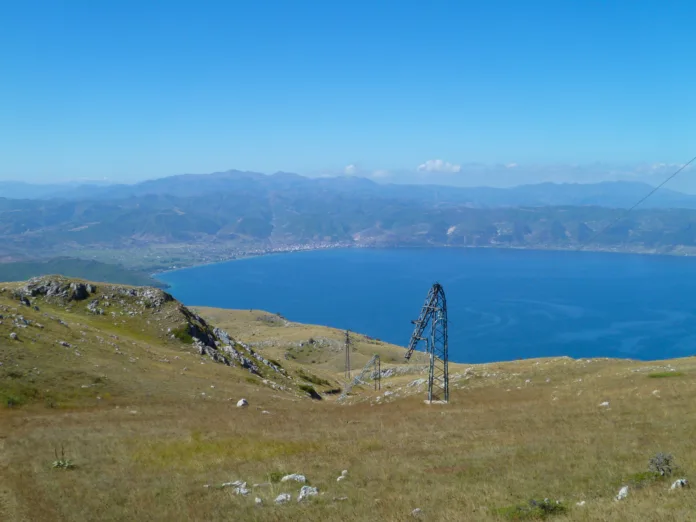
<point x="302" y="248"/>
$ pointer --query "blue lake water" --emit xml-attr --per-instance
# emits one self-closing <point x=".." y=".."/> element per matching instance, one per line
<point x="502" y="304"/>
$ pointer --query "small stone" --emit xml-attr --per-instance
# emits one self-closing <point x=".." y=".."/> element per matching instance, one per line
<point x="13" y="336"/>
<point x="306" y="492"/>
<point x="416" y="512"/>
<point x="296" y="477"/>
<point x="241" y="489"/>
<point x="340" y="499"/>
<point x="581" y="503"/>
<point x="258" y="501"/>
<point x="344" y="473"/>
<point x="283" y="498"/>
<point x="242" y="403"/>
<point x="339" y="479"/>
<point x="605" y="404"/>
<point x="623" y="493"/>
<point x="680" y="483"/>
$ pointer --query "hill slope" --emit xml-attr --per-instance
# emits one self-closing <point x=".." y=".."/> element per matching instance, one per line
<point x="148" y="421"/>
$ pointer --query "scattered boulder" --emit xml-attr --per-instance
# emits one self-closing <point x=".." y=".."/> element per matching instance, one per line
<point x="241" y="490"/>
<point x="623" y="493"/>
<point x="13" y="336"/>
<point x="242" y="403"/>
<point x="306" y="492"/>
<point x="258" y="501"/>
<point x="680" y="483"/>
<point x="295" y="477"/>
<point x="415" y="383"/>
<point x="93" y="307"/>
<point x="283" y="498"/>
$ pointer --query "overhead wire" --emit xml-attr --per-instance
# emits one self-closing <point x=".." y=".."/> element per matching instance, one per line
<point x="632" y="208"/>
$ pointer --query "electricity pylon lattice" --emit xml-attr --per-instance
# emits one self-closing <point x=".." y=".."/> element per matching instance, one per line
<point x="431" y="327"/>
<point x="347" y="347"/>
<point x="373" y="369"/>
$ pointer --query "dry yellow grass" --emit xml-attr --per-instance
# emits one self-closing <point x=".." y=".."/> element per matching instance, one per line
<point x="147" y="451"/>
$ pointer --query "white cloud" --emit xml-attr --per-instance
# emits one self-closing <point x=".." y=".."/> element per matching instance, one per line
<point x="511" y="165"/>
<point x="381" y="174"/>
<point x="350" y="170"/>
<point x="438" y="165"/>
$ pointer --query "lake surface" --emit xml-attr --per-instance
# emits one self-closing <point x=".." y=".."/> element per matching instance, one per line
<point x="502" y="304"/>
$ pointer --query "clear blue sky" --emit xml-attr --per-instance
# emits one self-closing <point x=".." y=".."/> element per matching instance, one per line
<point x="138" y="89"/>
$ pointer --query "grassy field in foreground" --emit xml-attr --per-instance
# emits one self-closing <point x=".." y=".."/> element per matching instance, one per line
<point x="512" y="432"/>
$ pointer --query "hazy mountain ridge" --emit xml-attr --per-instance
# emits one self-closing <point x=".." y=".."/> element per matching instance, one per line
<point x="609" y="194"/>
<point x="234" y="212"/>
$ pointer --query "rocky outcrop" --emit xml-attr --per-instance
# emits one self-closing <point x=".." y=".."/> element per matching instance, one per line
<point x="55" y="287"/>
<point x="219" y="346"/>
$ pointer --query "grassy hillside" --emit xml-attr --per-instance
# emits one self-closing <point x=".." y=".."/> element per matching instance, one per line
<point x="148" y="422"/>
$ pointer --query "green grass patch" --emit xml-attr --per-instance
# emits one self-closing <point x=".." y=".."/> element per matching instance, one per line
<point x="306" y="376"/>
<point x="533" y="510"/>
<point x="642" y="479"/>
<point x="665" y="375"/>
<point x="200" y="453"/>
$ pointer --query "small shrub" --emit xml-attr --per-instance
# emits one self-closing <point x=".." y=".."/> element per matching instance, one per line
<point x="533" y="510"/>
<point x="665" y="375"/>
<point x="309" y="390"/>
<point x="274" y="477"/>
<point x="662" y="464"/>
<point x="13" y="401"/>
<point x="273" y="361"/>
<point x="182" y="333"/>
<point x="313" y="378"/>
<point x="61" y="462"/>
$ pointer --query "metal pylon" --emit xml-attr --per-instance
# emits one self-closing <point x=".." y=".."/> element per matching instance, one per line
<point x="433" y="315"/>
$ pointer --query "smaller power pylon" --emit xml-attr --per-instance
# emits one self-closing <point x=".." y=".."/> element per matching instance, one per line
<point x="372" y="369"/>
<point x="347" y="349"/>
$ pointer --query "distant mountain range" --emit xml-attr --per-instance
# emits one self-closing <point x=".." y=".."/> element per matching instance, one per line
<point x="195" y="218"/>
<point x="613" y="194"/>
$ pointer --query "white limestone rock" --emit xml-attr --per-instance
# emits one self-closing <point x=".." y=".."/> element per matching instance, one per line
<point x="295" y="477"/>
<point x="623" y="493"/>
<point x="306" y="492"/>
<point x="283" y="498"/>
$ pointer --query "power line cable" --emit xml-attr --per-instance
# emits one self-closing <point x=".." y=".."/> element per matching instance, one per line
<point x="622" y="216"/>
